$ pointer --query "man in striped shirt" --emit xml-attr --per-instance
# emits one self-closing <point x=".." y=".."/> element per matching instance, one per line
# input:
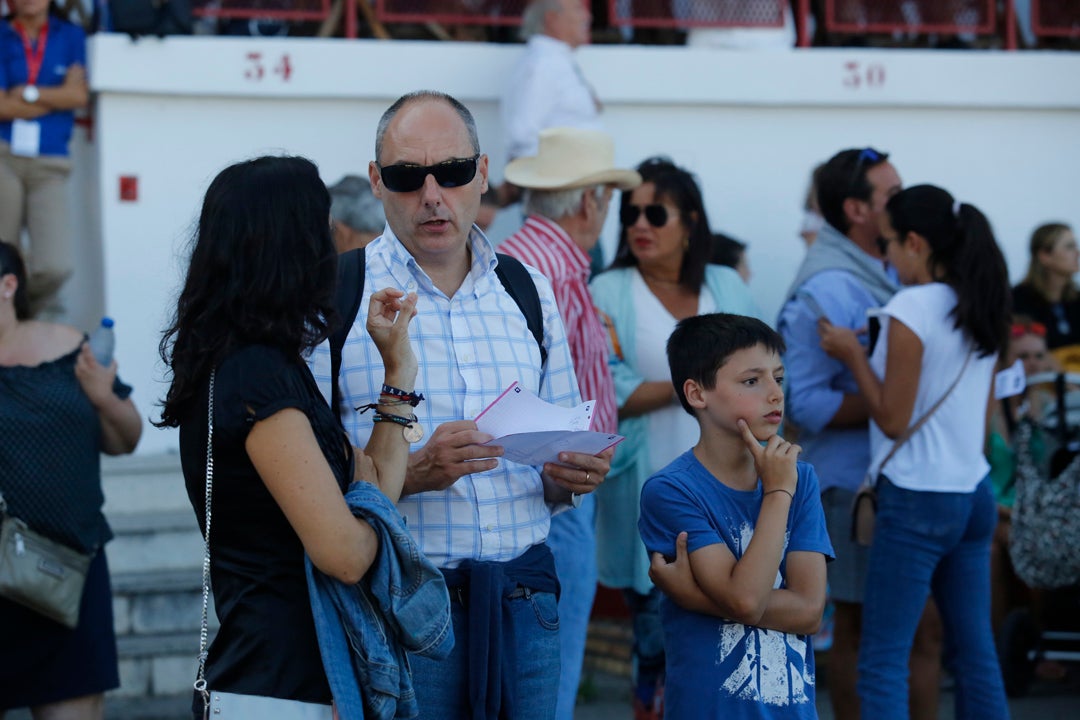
<point x="568" y="186"/>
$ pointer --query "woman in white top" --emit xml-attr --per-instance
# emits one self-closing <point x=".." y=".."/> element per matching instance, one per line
<point x="940" y="337"/>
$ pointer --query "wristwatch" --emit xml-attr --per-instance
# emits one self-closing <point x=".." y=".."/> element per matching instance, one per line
<point x="31" y="94"/>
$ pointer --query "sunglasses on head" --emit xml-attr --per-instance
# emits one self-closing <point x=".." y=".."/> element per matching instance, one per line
<point x="866" y="155"/>
<point x="1019" y="330"/>
<point x="655" y="214"/>
<point x="448" y="174"/>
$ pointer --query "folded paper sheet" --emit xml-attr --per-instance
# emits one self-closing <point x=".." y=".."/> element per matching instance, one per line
<point x="533" y="432"/>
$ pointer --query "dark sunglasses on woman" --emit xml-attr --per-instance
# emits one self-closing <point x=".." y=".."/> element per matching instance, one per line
<point x="448" y="174"/>
<point x="655" y="214"/>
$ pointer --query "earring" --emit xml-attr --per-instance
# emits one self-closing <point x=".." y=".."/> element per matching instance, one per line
<point x="686" y="243"/>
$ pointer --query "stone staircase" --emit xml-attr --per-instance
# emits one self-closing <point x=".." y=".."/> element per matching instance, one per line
<point x="155" y="562"/>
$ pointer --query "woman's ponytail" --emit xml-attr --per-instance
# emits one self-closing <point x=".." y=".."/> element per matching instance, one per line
<point x="963" y="254"/>
<point x="981" y="280"/>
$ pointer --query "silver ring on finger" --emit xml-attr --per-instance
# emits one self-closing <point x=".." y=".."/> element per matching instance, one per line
<point x="586" y="477"/>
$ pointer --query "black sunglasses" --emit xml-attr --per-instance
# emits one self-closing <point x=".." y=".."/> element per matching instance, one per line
<point x="409" y="178"/>
<point x="865" y="155"/>
<point x="655" y="214"/>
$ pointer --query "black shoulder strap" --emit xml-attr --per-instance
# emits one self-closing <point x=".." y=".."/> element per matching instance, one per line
<point x="516" y="279"/>
<point x="350" y="290"/>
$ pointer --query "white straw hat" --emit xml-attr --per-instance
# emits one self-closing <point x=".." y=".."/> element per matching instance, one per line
<point x="571" y="158"/>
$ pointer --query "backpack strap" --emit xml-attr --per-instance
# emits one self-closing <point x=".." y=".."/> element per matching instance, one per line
<point x="516" y="279"/>
<point x="350" y="290"/>
<point x="512" y="274"/>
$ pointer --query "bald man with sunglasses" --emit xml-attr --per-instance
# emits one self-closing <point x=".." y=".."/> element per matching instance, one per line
<point x="481" y="519"/>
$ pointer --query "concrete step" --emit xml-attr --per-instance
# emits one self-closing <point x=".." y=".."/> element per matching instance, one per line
<point x="140" y="483"/>
<point x="159" y="664"/>
<point x="162" y="601"/>
<point x="155" y="541"/>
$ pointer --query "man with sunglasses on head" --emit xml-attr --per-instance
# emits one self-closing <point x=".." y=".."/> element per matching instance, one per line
<point x="482" y="520"/>
<point x="843" y="275"/>
<point x="567" y="192"/>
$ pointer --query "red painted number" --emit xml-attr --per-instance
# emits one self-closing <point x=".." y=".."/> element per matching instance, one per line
<point x="255" y="67"/>
<point x="256" y="70"/>
<point x="284" y="68"/>
<point x="857" y="75"/>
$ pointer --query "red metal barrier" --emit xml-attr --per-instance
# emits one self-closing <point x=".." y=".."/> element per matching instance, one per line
<point x="454" y="12"/>
<point x="294" y="10"/>
<point x="697" y="13"/>
<point x="918" y="16"/>
<point x="1055" y="18"/>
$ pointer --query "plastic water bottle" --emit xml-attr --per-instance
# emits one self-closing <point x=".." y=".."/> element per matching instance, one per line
<point x="103" y="341"/>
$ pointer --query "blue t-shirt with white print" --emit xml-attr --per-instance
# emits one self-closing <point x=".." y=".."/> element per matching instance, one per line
<point x="717" y="668"/>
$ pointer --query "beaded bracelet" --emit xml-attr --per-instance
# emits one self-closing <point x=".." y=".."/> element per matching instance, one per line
<point x="411" y="429"/>
<point x="412" y="398"/>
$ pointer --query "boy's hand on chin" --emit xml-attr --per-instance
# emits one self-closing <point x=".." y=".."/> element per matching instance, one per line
<point x="775" y="463"/>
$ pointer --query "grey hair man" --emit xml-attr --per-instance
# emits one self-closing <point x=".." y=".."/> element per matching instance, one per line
<point x="568" y="186"/>
<point x="547" y="88"/>
<point x="356" y="213"/>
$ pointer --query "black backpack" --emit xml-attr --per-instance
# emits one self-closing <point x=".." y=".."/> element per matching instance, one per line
<point x="350" y="290"/>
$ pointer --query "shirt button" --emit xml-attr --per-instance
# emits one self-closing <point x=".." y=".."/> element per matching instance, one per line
<point x="488" y="528"/>
<point x="411" y="285"/>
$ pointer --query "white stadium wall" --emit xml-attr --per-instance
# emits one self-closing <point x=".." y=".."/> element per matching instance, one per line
<point x="1000" y="130"/>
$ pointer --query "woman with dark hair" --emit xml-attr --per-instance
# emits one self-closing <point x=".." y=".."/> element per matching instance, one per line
<point x="661" y="274"/>
<point x="1049" y="295"/>
<point x="927" y="385"/>
<point x="257" y="297"/>
<point x="59" y="410"/>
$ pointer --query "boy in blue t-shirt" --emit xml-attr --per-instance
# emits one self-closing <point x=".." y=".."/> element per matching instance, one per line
<point x="737" y="534"/>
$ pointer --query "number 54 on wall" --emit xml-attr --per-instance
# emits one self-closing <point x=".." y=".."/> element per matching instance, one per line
<point x="256" y="64"/>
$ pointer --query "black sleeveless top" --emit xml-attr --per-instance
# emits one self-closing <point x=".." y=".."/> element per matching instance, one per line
<point x="266" y="644"/>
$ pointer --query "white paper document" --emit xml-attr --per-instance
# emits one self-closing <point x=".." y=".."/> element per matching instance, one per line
<point x="533" y="431"/>
<point x="1010" y="381"/>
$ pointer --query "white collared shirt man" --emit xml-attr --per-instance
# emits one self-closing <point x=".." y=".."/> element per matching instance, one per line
<point x="547" y="88"/>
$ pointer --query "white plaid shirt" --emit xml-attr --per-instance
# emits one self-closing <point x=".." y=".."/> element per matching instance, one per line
<point x="470" y="348"/>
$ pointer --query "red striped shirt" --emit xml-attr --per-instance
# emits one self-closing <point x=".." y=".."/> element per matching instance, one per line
<point x="548" y="248"/>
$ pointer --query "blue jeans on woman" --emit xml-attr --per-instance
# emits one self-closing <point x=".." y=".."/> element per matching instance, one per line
<point x="930" y="542"/>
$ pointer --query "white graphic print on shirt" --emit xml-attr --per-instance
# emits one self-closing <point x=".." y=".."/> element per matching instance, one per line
<point x="772" y="664"/>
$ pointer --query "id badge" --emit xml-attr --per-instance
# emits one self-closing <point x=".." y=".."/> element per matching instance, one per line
<point x="26" y="138"/>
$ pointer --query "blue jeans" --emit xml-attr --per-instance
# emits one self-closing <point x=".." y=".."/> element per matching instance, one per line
<point x="930" y="542"/>
<point x="573" y="542"/>
<point x="442" y="686"/>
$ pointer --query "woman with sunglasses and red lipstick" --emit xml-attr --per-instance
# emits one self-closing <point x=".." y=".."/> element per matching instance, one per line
<point x="661" y="274"/>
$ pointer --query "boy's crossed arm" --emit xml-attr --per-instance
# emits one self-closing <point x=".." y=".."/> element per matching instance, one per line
<point x="796" y="609"/>
<point x="712" y="581"/>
